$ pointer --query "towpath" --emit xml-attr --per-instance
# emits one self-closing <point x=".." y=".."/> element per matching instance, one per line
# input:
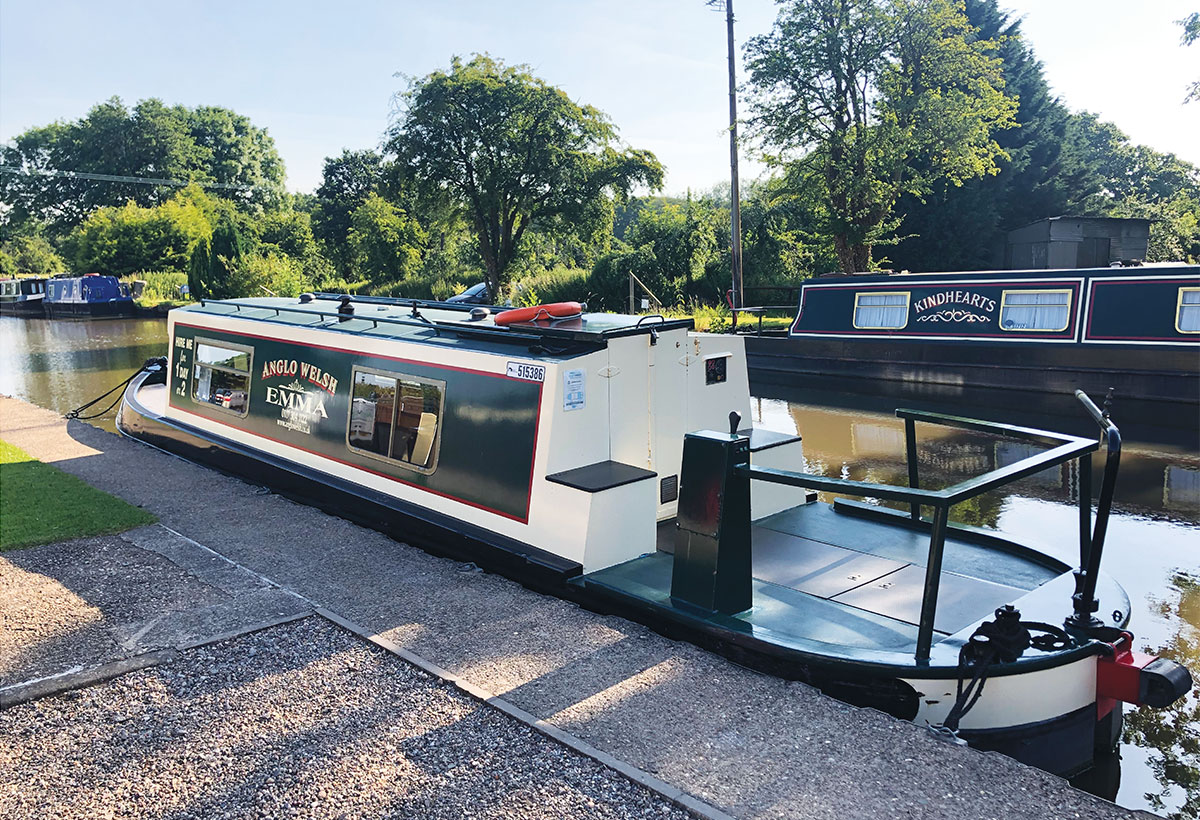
<point x="230" y="557"/>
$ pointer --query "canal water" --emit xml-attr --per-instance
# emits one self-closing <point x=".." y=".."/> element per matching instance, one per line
<point x="1153" y="544"/>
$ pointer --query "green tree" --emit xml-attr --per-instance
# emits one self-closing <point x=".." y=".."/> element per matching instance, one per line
<point x="226" y="256"/>
<point x="34" y="254"/>
<point x="8" y="265"/>
<point x="386" y="242"/>
<point x="511" y="152"/>
<point x="132" y="238"/>
<point x="346" y="183"/>
<point x="867" y="100"/>
<point x="198" y="267"/>
<point x="963" y="226"/>
<point x="151" y="141"/>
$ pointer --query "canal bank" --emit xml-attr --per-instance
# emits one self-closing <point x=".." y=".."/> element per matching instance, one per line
<point x="748" y="744"/>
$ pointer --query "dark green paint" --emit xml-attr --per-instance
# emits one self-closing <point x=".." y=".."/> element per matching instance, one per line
<point x="489" y="422"/>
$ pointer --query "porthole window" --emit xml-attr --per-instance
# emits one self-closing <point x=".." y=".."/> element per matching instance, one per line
<point x="1187" y="313"/>
<point x="221" y="376"/>
<point x="881" y="311"/>
<point x="1023" y="310"/>
<point x="396" y="417"/>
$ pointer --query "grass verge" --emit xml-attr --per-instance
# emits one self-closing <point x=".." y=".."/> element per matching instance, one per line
<point x="40" y="504"/>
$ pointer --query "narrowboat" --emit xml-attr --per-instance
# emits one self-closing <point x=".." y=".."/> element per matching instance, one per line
<point x="87" y="297"/>
<point x="22" y="297"/>
<point x="602" y="458"/>
<point x="1136" y="329"/>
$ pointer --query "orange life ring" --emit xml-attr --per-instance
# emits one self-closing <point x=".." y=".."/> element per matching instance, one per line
<point x="556" y="310"/>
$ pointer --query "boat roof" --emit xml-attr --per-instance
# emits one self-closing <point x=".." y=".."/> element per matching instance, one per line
<point x="1035" y="273"/>
<point x="439" y="323"/>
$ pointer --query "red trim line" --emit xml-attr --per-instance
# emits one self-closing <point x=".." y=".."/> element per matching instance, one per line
<point x="348" y="350"/>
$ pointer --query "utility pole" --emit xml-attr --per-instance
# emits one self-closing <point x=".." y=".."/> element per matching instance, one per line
<point x="735" y="200"/>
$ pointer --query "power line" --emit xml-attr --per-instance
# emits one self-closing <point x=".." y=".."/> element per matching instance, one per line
<point x="178" y="183"/>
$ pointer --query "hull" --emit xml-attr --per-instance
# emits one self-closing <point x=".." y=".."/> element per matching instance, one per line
<point x="27" y="308"/>
<point x="1162" y="375"/>
<point x="89" y="310"/>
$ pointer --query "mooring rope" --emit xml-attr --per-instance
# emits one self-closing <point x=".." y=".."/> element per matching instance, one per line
<point x="157" y="361"/>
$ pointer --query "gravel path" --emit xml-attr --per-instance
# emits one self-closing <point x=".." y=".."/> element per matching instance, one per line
<point x="298" y="721"/>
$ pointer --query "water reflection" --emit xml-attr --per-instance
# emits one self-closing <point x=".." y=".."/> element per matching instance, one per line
<point x="1171" y="734"/>
<point x="1152" y="543"/>
<point x="61" y="364"/>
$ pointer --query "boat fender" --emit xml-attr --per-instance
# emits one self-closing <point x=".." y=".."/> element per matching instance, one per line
<point x="1138" y="678"/>
<point x="555" y="310"/>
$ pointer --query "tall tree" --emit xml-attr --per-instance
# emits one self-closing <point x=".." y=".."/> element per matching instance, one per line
<point x="962" y="226"/>
<point x="40" y="179"/>
<point x="346" y="183"/>
<point x="511" y="152"/>
<point x="868" y="100"/>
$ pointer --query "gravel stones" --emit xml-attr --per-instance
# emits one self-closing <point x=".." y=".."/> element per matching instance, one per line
<point x="298" y="721"/>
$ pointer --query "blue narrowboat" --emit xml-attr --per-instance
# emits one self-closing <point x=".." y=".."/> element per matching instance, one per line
<point x="1135" y="329"/>
<point x="22" y="297"/>
<point x="86" y="297"/>
<point x="601" y="458"/>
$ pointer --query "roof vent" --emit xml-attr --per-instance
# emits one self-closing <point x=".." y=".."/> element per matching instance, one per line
<point x="305" y="298"/>
<point x="478" y="314"/>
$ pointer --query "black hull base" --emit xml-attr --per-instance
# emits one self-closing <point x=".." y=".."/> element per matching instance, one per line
<point x="26" y="309"/>
<point x="1063" y="745"/>
<point x="1156" y="375"/>
<point x="89" y="310"/>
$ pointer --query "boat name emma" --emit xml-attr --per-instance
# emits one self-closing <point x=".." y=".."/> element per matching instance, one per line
<point x="955" y="297"/>
<point x="308" y="372"/>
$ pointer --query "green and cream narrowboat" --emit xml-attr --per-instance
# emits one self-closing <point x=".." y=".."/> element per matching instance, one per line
<point x="601" y="458"/>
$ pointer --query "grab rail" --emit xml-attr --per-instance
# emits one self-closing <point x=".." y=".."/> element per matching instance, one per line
<point x="1063" y="448"/>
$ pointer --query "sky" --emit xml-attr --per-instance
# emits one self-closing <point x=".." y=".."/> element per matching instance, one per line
<point x="322" y="77"/>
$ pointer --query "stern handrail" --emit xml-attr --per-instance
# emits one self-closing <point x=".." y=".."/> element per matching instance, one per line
<point x="1064" y="448"/>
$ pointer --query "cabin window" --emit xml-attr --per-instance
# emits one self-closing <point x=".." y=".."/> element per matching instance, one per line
<point x="1187" y="315"/>
<point x="1035" y="310"/>
<point x="221" y="376"/>
<point x="396" y="417"/>
<point x="881" y="311"/>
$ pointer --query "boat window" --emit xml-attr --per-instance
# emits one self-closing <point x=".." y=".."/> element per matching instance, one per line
<point x="879" y="311"/>
<point x="1187" y="315"/>
<point x="397" y="417"/>
<point x="1035" y="310"/>
<point x="221" y="376"/>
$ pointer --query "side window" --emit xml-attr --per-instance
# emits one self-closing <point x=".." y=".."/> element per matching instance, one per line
<point x="1035" y="310"/>
<point x="221" y="376"/>
<point x="396" y="417"/>
<point x="1187" y="313"/>
<point x="881" y="311"/>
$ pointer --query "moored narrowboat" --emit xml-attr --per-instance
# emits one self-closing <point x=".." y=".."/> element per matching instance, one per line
<point x="88" y="297"/>
<point x="22" y="297"/>
<point x="1136" y="329"/>
<point x="602" y="458"/>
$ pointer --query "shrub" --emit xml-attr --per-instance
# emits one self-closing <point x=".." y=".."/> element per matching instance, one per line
<point x="559" y="284"/>
<point x="161" y="285"/>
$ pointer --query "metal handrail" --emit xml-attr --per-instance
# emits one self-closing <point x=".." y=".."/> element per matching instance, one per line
<point x="1068" y="448"/>
<point x="423" y="324"/>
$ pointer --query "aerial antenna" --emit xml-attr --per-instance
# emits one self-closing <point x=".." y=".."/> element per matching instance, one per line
<point x="735" y="205"/>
